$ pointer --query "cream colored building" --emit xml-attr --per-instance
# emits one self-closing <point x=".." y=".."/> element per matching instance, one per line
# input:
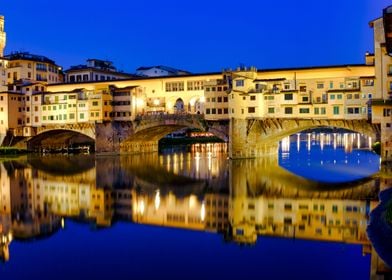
<point x="382" y="104"/>
<point x="26" y="66"/>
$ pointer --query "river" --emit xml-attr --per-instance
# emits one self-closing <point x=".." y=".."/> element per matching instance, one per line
<point x="189" y="212"/>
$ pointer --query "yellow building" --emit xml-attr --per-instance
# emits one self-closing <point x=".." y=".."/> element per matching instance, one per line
<point x="382" y="104"/>
<point x="26" y="66"/>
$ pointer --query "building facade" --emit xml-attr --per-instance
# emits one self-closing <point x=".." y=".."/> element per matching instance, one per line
<point x="382" y="103"/>
<point x="31" y="67"/>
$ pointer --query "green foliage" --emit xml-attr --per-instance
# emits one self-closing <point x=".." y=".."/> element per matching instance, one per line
<point x="377" y="148"/>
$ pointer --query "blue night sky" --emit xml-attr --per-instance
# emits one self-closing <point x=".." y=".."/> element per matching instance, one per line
<point x="199" y="36"/>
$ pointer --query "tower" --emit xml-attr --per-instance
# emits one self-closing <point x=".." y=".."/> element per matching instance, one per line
<point x="2" y="36"/>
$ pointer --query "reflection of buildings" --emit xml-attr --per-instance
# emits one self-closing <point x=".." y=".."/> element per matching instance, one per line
<point x="305" y="218"/>
<point x="263" y="199"/>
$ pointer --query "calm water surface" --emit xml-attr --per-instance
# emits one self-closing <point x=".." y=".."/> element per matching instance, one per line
<point x="191" y="213"/>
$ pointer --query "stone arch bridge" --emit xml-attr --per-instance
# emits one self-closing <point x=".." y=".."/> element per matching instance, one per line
<point x="248" y="138"/>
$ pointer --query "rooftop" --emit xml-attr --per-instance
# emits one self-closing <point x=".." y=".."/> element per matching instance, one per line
<point x="28" y="56"/>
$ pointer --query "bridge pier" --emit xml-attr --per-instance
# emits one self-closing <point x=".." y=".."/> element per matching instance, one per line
<point x="245" y="142"/>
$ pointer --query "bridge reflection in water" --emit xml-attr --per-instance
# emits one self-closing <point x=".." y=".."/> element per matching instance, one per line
<point x="198" y="190"/>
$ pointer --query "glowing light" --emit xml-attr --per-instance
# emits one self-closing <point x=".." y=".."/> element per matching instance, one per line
<point x="192" y="201"/>
<point x="139" y="102"/>
<point x="298" y="141"/>
<point x="202" y="99"/>
<point x="156" y="102"/>
<point x="157" y="201"/>
<point x="322" y="141"/>
<point x="309" y="143"/>
<point x="370" y="142"/>
<point x="141" y="207"/>
<point x="203" y="212"/>
<point x="62" y="223"/>
<point x="286" y="144"/>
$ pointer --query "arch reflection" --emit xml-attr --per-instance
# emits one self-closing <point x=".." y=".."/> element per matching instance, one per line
<point x="197" y="189"/>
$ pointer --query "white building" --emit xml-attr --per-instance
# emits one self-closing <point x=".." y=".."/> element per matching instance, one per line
<point x="159" y="71"/>
<point x="94" y="70"/>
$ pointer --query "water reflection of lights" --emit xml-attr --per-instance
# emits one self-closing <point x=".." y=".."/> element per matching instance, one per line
<point x="157" y="200"/>
<point x="192" y="201"/>
<point x="203" y="211"/>
<point x="286" y="144"/>
<point x="346" y="140"/>
<point x="141" y="207"/>
<point x="322" y="141"/>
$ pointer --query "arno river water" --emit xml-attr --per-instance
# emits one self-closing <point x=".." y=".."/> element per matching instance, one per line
<point x="190" y="213"/>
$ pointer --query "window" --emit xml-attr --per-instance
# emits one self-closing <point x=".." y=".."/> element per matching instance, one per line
<point x="71" y="116"/>
<point x="95" y="103"/>
<point x="253" y="97"/>
<point x="302" y="88"/>
<point x="387" y="112"/>
<point x="288" y="110"/>
<point x="81" y="116"/>
<point x="354" y="110"/>
<point x="239" y="83"/>
<point x="305" y="99"/>
<point x="330" y="84"/>
<point x="339" y="96"/>
<point x="288" y="96"/>
<point x="174" y="86"/>
<point x="316" y="111"/>
<point x="271" y="110"/>
<point x="332" y="96"/>
<point x="304" y="110"/>
<point x="323" y="111"/>
<point x="251" y="110"/>
<point x="336" y="110"/>
<point x="320" y="85"/>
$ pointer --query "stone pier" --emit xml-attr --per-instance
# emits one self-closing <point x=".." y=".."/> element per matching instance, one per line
<point x="245" y="142"/>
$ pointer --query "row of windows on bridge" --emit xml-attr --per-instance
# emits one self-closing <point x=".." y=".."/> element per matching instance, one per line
<point x="290" y="110"/>
<point x="193" y="85"/>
